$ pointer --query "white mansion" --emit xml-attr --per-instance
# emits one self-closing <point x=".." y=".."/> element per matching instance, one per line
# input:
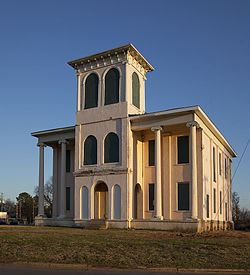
<point x="120" y="167"/>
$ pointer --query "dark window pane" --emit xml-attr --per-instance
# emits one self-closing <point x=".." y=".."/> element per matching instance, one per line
<point x="226" y="211"/>
<point x="67" y="198"/>
<point x="91" y="91"/>
<point x="151" y="195"/>
<point x="220" y="202"/>
<point x="207" y="206"/>
<point x="220" y="166"/>
<point x="183" y="149"/>
<point x="214" y="200"/>
<point x="183" y="196"/>
<point x="112" y="87"/>
<point x="135" y="90"/>
<point x="151" y="152"/>
<point x="225" y="168"/>
<point x="111" y="148"/>
<point x="67" y="161"/>
<point x="214" y="165"/>
<point x="90" y="150"/>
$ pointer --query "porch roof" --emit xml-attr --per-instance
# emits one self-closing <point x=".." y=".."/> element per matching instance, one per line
<point x="147" y="120"/>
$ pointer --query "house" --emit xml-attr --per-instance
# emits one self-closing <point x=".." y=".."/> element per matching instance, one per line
<point x="120" y="167"/>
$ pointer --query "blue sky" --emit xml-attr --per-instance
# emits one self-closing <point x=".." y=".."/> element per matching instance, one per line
<point x="200" y="51"/>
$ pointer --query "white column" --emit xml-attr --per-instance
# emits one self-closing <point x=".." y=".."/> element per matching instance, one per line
<point x="157" y="131"/>
<point x="41" y="180"/>
<point x="55" y="182"/>
<point x="193" y="125"/>
<point x="63" y="178"/>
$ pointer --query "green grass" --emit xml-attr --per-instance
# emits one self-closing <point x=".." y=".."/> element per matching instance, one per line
<point x="124" y="248"/>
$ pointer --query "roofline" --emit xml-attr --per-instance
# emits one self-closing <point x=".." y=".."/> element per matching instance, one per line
<point x="194" y="109"/>
<point x="126" y="47"/>
<point x="53" y="131"/>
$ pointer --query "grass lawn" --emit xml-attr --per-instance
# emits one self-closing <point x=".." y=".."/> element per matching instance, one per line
<point x="124" y="248"/>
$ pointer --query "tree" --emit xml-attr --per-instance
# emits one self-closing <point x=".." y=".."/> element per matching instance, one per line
<point x="236" y="209"/>
<point x="25" y="207"/>
<point x="10" y="207"/>
<point x="48" y="196"/>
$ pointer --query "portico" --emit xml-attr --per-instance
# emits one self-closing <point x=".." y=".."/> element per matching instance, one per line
<point x="60" y="141"/>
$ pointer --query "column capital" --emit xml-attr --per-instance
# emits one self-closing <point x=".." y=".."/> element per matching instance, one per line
<point x="63" y="141"/>
<point x="156" y="128"/>
<point x="193" y="124"/>
<point x="41" y="144"/>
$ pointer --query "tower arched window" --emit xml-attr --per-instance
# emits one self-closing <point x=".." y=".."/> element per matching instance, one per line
<point x="91" y="91"/>
<point x="135" y="90"/>
<point x="90" y="150"/>
<point x="111" y="148"/>
<point x="112" y="86"/>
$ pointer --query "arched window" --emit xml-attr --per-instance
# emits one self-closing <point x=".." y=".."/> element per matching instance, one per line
<point x="91" y="91"/>
<point x="85" y="203"/>
<point x="117" y="202"/>
<point x="135" y="90"/>
<point x="112" y="86"/>
<point x="111" y="148"/>
<point x="90" y="150"/>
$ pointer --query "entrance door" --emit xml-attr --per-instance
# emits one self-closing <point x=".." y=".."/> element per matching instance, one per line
<point x="101" y="201"/>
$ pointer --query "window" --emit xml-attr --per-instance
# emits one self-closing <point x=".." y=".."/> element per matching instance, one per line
<point x="67" y="198"/>
<point x="225" y="168"/>
<point x="207" y="206"/>
<point x="151" y="197"/>
<point x="85" y="203"/>
<point x="183" y="196"/>
<point x="135" y="90"/>
<point x="183" y="149"/>
<point x="214" y="165"/>
<point x="214" y="200"/>
<point x="117" y="202"/>
<point x="151" y="152"/>
<point x="67" y="161"/>
<point x="90" y="151"/>
<point x="220" y="202"/>
<point x="91" y="91"/>
<point x="226" y="211"/>
<point x="220" y="165"/>
<point x="112" y="86"/>
<point x="111" y="148"/>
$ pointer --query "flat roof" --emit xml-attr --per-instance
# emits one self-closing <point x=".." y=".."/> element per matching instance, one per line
<point x="129" y="47"/>
<point x="53" y="131"/>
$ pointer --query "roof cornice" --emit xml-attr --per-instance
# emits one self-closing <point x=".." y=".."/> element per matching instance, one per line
<point x="125" y="50"/>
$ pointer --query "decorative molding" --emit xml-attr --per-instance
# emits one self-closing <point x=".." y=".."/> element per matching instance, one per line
<point x="156" y="128"/>
<point x="94" y="171"/>
<point x="193" y="124"/>
<point x="63" y="141"/>
<point x="41" y="144"/>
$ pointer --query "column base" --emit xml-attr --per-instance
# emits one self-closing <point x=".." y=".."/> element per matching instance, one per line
<point x="41" y="216"/>
<point x="61" y="217"/>
<point x="158" y="218"/>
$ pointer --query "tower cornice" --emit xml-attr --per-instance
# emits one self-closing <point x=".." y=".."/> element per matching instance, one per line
<point x="127" y="53"/>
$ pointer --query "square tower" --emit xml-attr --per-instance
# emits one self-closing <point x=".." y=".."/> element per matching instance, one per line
<point x="111" y="82"/>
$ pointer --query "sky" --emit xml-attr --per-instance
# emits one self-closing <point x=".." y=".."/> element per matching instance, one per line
<point x="200" y="51"/>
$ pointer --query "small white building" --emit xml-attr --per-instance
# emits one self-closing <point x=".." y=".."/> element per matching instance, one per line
<point x="120" y="167"/>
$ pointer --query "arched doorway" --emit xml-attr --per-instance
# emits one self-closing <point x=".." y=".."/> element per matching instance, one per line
<point x="101" y="201"/>
<point x="138" y="202"/>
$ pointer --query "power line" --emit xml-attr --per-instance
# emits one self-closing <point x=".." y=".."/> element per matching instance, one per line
<point x="241" y="158"/>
